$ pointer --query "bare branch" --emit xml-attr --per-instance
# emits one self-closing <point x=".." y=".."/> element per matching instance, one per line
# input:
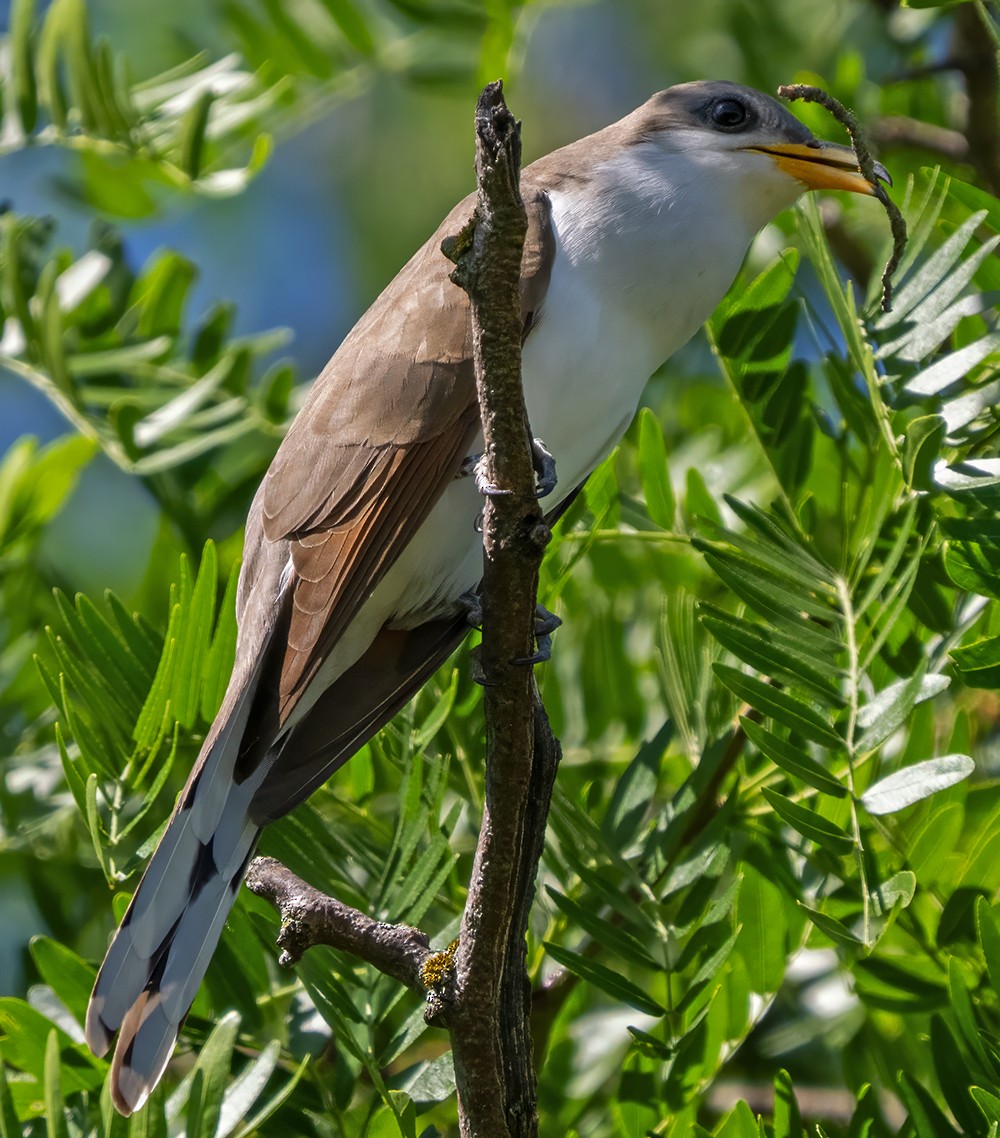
<point x="309" y="917"/>
<point x="489" y="1021"/>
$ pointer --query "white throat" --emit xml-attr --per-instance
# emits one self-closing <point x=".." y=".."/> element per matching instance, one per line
<point x="663" y="235"/>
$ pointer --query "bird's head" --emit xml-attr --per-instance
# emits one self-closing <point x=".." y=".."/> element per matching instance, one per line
<point x="750" y="140"/>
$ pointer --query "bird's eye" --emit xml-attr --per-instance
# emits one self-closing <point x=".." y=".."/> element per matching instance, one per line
<point x="729" y="114"/>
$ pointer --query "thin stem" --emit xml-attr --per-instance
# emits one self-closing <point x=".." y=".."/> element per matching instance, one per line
<point x="853" y="682"/>
<point x="64" y="405"/>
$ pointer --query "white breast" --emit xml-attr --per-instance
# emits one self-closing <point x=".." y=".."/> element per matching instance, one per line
<point x="631" y="283"/>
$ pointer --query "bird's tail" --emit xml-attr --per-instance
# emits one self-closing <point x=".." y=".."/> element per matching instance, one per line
<point x="161" y="952"/>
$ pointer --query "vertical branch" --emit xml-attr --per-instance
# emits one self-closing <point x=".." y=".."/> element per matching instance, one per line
<point x="489" y="1019"/>
<point x="481" y="993"/>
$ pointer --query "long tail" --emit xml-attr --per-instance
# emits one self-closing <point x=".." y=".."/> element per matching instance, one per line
<point x="162" y="950"/>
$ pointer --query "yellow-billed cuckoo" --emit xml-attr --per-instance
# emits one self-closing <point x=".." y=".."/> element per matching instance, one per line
<point x="361" y="540"/>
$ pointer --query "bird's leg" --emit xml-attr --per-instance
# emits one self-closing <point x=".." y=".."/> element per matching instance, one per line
<point x="542" y="460"/>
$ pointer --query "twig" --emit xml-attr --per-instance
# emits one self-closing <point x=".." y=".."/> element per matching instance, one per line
<point x="309" y="917"/>
<point x="489" y="1021"/>
<point x="867" y="165"/>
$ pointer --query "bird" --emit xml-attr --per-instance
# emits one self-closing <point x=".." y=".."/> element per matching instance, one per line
<point x="361" y="543"/>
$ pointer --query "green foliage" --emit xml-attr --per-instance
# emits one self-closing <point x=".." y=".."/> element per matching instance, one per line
<point x="112" y="350"/>
<point x="60" y="86"/>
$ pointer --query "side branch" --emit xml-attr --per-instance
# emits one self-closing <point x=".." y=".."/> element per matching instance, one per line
<point x="309" y="917"/>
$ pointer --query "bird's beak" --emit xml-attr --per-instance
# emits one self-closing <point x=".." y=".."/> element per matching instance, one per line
<point x="824" y="166"/>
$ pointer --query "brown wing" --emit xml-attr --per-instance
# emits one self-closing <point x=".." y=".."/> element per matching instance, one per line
<point x="359" y="703"/>
<point x="383" y="432"/>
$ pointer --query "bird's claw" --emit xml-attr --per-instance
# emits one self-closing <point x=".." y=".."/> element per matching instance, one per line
<point x="545" y="624"/>
<point x="471" y="604"/>
<point x="542" y="460"/>
<point x="476" y="669"/>
<point x="545" y="468"/>
<point x="474" y="466"/>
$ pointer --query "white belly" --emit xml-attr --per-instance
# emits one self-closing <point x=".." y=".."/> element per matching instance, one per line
<point x="584" y="368"/>
<point x="582" y="383"/>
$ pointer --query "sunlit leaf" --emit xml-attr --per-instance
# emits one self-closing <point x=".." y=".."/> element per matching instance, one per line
<point x="912" y="784"/>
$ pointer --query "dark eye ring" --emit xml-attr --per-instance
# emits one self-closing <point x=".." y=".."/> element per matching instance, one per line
<point x="729" y="114"/>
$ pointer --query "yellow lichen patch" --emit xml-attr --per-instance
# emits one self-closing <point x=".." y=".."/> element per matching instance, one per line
<point x="437" y="968"/>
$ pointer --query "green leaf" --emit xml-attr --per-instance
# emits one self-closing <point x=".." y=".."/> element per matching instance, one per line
<point x="635" y="789"/>
<point x="350" y="21"/>
<point x="787" y="1119"/>
<point x="26" y="1032"/>
<point x="603" y="929"/>
<point x="739" y="1123"/>
<point x="55" y="1107"/>
<point x="250" y="1125"/>
<point x="698" y="500"/>
<point x="192" y="134"/>
<point x="951" y="1068"/>
<point x="780" y="706"/>
<point x="760" y="915"/>
<point x="22" y="65"/>
<point x="926" y="1117"/>
<point x="194" y="637"/>
<point x="965" y="1017"/>
<point x="609" y="982"/>
<point x="921" y="448"/>
<point x="888" y="710"/>
<point x="792" y="759"/>
<point x="438" y="716"/>
<point x="974" y="566"/>
<point x="809" y="824"/>
<point x="244" y="1090"/>
<point x="654" y="470"/>
<point x="94" y="824"/>
<point x="952" y="368"/>
<point x="432" y="1081"/>
<point x="930" y="273"/>
<point x="70" y="977"/>
<point x="835" y="929"/>
<point x="774" y="588"/>
<point x="912" y="784"/>
<point x="768" y="650"/>
<point x="10" y="1124"/>
<point x="989" y="939"/>
<point x="211" y="1074"/>
<point x="898" y="889"/>
<point x="988" y="1104"/>
<point x="979" y="662"/>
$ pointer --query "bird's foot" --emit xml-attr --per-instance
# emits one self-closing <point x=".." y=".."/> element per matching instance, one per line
<point x="545" y="624"/>
<point x="474" y="465"/>
<point x="471" y="604"/>
<point x="542" y="460"/>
